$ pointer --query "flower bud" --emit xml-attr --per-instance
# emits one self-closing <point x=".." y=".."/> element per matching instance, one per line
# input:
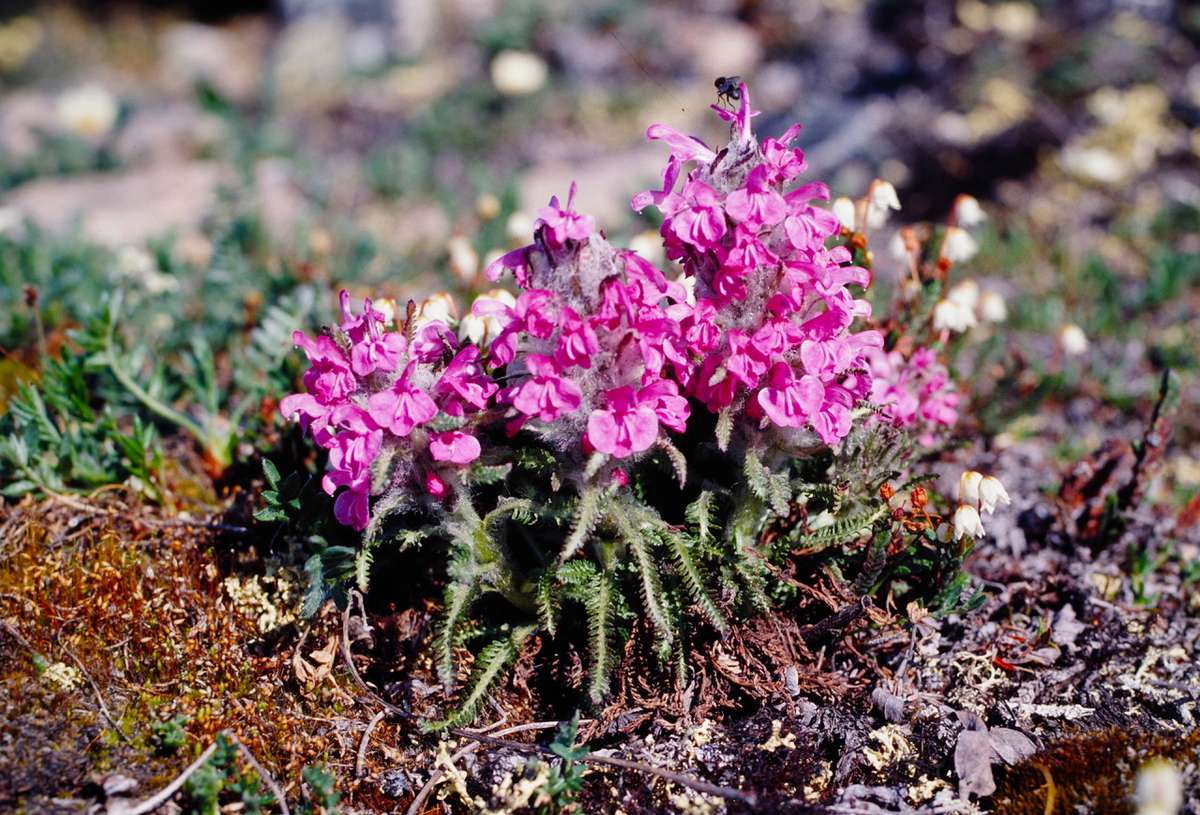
<point x="967" y="212"/>
<point x="958" y="246"/>
<point x="519" y="227"/>
<point x="487" y="206"/>
<point x="951" y="316"/>
<point x="439" y="307"/>
<point x="992" y="494"/>
<point x="843" y="210"/>
<point x="89" y="111"/>
<point x="992" y="307"/>
<point x="1072" y="339"/>
<point x="518" y="73"/>
<point x="968" y="487"/>
<point x="464" y="260"/>
<point x="967" y="522"/>
<point x="966" y="294"/>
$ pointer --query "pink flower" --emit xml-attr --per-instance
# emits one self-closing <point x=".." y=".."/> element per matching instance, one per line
<point x="756" y="204"/>
<point x="577" y="343"/>
<point x="670" y="408"/>
<point x="664" y="199"/>
<point x="378" y="353"/>
<point x="701" y="330"/>
<point x="623" y="428"/>
<point x="330" y="376"/>
<point x="683" y="148"/>
<point x="353" y="508"/>
<point x="435" y="485"/>
<point x="700" y="222"/>
<point x="401" y="407"/>
<point x="740" y="119"/>
<point x="563" y="224"/>
<point x="546" y="394"/>
<point x="789" y="401"/>
<point x="454" y="446"/>
<point x="433" y="342"/>
<point x="516" y="261"/>
<point x="784" y="162"/>
<point x="464" y="383"/>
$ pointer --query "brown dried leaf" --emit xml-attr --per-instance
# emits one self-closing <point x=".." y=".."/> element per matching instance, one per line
<point x="973" y="764"/>
<point x="1011" y="746"/>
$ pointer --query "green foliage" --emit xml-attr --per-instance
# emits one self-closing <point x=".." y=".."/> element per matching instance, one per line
<point x="566" y="777"/>
<point x="169" y="735"/>
<point x="221" y="780"/>
<point x="56" y="438"/>
<point x="323" y="796"/>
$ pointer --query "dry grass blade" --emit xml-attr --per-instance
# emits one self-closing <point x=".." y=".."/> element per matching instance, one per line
<point x="162" y="796"/>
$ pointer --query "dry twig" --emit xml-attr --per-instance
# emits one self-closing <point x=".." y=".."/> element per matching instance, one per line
<point x="162" y="796"/>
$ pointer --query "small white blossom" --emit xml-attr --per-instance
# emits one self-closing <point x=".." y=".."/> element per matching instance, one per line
<point x="951" y="316"/>
<point x="967" y="212"/>
<point x="883" y="195"/>
<point x="464" y="260"/>
<point x="518" y="73"/>
<point x="966" y="294"/>
<point x="482" y="330"/>
<point x="1159" y="789"/>
<point x="967" y="522"/>
<point x="882" y="199"/>
<point x="648" y="245"/>
<point x="968" y="487"/>
<point x="90" y="111"/>
<point x="992" y="494"/>
<point x="439" y="307"/>
<point x="519" y="227"/>
<point x="1072" y="339"/>
<point x="993" y="308"/>
<point x="487" y="206"/>
<point x="843" y="210"/>
<point x="898" y="247"/>
<point x="958" y="246"/>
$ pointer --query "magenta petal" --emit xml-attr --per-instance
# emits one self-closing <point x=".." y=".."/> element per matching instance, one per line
<point x="683" y="148"/>
<point x="454" y="446"/>
<point x="602" y="431"/>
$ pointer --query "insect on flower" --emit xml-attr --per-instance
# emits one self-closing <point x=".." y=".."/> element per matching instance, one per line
<point x="728" y="89"/>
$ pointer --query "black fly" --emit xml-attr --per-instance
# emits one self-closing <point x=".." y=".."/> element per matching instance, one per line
<point x="728" y="89"/>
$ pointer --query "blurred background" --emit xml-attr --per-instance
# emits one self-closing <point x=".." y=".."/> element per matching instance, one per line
<point x="218" y="158"/>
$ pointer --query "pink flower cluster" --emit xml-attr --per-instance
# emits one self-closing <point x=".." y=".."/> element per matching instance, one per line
<point x="916" y="392"/>
<point x="370" y="387"/>
<point x="601" y="352"/>
<point x="770" y="330"/>
<point x="594" y="348"/>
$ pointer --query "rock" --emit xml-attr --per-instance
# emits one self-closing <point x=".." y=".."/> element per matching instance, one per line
<point x="312" y="60"/>
<point x="125" y="208"/>
<point x="227" y="58"/>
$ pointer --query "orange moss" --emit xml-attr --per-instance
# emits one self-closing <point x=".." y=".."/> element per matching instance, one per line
<point x="145" y="614"/>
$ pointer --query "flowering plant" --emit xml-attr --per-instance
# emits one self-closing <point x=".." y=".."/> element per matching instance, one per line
<point x="653" y="438"/>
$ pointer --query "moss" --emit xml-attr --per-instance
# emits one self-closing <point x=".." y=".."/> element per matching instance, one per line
<point x="1091" y="772"/>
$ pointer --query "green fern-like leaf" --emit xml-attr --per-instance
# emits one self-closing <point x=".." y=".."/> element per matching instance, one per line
<point x="491" y="663"/>
<point x="649" y="583"/>
<point x="458" y="598"/>
<point x="692" y="578"/>
<point x="600" y="608"/>
<point x="701" y="515"/>
<point x="549" y="600"/>
<point x="677" y="459"/>
<point x="841" y="530"/>
<point x="587" y="515"/>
